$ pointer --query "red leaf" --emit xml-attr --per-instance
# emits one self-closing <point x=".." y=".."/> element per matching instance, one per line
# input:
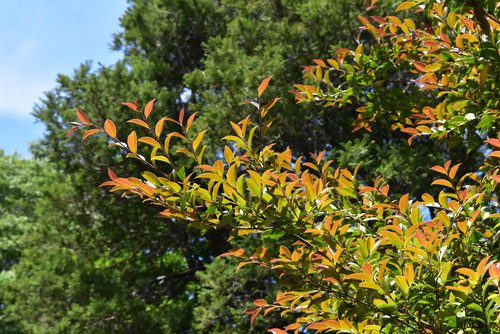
<point x="72" y="130"/>
<point x="254" y="313"/>
<point x="111" y="174"/>
<point x="494" y="142"/>
<point x="181" y="116"/>
<point x="277" y="331"/>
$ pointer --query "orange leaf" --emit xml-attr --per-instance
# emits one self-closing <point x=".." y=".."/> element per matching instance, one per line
<point x="73" y="129"/>
<point x="89" y="133"/>
<point x="181" y="116"/>
<point x="494" y="142"/>
<point x="494" y="270"/>
<point x="149" y="141"/>
<point x="442" y="182"/>
<point x="260" y="302"/>
<point x="319" y="62"/>
<point x="439" y="169"/>
<point x="149" y="108"/>
<point x="277" y="331"/>
<point x="411" y="131"/>
<point x="110" y="128"/>
<point x="159" y="127"/>
<point x="263" y="85"/>
<point x="82" y="117"/>
<point x="238" y="252"/>
<point x="190" y="121"/>
<point x="403" y="203"/>
<point x="131" y="105"/>
<point x="495" y="154"/>
<point x="139" y="122"/>
<point x="293" y="326"/>
<point x="453" y="171"/>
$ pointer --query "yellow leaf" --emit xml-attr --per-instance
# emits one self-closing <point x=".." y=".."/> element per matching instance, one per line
<point x="231" y="175"/>
<point x="371" y="285"/>
<point x="139" y="122"/>
<point x="159" y="127"/>
<point x="463" y="289"/>
<point x="132" y="141"/>
<point x="197" y="140"/>
<point x="405" y="5"/>
<point x="409" y="273"/>
<point x="402" y="284"/>
<point x="149" y="141"/>
<point x="428" y="199"/>
<point x="333" y="63"/>
<point x="358" y="52"/>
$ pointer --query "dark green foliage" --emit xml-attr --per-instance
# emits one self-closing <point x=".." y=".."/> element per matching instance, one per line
<point x="224" y="293"/>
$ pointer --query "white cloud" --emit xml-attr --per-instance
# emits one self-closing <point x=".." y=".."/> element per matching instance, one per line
<point x="19" y="93"/>
<point x="21" y="86"/>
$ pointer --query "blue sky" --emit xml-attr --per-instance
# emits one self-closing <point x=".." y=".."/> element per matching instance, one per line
<point x="41" y="38"/>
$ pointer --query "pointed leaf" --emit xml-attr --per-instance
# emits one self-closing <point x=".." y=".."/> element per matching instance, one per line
<point x="405" y="5"/>
<point x="110" y="128"/>
<point x="89" y="133"/>
<point x="139" y="122"/>
<point x="131" y="105"/>
<point x="442" y="182"/>
<point x="132" y="141"/>
<point x="149" y="108"/>
<point x="263" y="85"/>
<point x="159" y="127"/>
<point x="82" y="117"/>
